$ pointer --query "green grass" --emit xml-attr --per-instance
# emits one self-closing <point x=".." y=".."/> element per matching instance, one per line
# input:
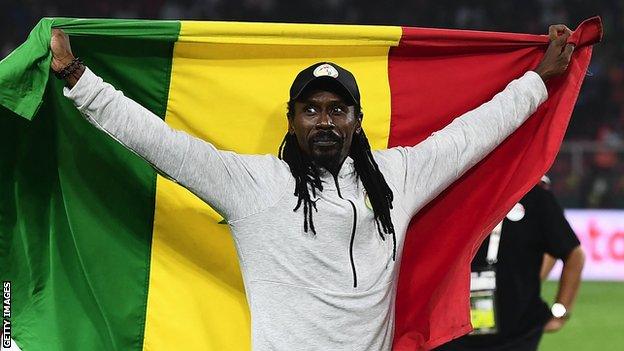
<point x="596" y="323"/>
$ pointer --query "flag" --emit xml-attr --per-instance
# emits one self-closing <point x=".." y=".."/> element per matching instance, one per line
<point x="104" y="254"/>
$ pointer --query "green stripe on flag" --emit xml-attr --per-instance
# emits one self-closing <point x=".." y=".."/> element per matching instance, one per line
<point x="77" y="208"/>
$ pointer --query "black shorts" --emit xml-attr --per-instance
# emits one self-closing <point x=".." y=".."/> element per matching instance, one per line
<point x="527" y="342"/>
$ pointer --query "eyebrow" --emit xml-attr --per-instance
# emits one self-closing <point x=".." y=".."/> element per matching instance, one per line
<point x="315" y="101"/>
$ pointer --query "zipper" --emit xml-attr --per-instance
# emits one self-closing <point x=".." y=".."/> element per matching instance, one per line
<point x="351" y="245"/>
<point x="353" y="227"/>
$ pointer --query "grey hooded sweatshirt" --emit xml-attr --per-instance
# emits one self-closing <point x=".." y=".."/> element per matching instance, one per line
<point x="334" y="290"/>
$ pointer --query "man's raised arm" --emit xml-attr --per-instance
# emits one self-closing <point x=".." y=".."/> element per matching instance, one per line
<point x="434" y="164"/>
<point x="235" y="185"/>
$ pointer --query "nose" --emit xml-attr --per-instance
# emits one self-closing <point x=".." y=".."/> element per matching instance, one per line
<point x="325" y="121"/>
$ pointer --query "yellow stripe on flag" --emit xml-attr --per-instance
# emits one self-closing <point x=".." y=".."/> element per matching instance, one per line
<point x="288" y="34"/>
<point x="234" y="96"/>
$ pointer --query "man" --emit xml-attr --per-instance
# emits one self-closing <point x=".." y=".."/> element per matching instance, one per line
<point x="548" y="262"/>
<point x="319" y="267"/>
<point x="507" y="311"/>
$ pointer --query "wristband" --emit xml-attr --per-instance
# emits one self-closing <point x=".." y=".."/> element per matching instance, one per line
<point x="69" y="69"/>
<point x="558" y="310"/>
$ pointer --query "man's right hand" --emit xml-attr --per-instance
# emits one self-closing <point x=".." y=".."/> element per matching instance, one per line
<point x="61" y="50"/>
<point x="62" y="56"/>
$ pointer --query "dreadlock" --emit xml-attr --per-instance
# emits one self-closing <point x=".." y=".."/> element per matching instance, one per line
<point x="307" y="178"/>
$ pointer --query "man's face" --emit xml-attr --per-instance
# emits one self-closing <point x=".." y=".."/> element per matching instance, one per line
<point x="324" y="126"/>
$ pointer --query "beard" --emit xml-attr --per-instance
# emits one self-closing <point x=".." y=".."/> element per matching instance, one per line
<point x="325" y="149"/>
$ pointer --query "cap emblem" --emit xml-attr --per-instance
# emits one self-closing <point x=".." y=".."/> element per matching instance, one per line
<point x="325" y="70"/>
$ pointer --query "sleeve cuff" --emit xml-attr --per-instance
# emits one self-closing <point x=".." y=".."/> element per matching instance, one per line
<point x="84" y="88"/>
<point x="537" y="85"/>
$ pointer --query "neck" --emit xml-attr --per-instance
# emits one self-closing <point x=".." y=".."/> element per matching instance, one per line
<point x="332" y="166"/>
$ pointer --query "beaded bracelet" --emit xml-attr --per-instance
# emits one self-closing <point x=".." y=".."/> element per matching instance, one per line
<point x="69" y="69"/>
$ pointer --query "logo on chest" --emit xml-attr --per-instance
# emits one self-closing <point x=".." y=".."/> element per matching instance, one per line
<point x="516" y="213"/>
<point x="367" y="201"/>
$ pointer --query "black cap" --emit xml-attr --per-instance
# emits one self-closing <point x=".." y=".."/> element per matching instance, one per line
<point x="326" y="71"/>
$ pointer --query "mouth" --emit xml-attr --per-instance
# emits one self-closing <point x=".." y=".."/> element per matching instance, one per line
<point x="325" y="140"/>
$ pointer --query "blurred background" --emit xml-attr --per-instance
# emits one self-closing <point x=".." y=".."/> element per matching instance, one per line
<point x="588" y="175"/>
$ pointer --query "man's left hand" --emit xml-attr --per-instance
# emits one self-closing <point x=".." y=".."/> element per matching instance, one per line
<point x="558" y="54"/>
<point x="554" y="324"/>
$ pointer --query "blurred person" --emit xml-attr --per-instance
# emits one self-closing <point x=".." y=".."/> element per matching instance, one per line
<point x="326" y="158"/>
<point x="599" y="182"/>
<point x="507" y="311"/>
<point x="548" y="262"/>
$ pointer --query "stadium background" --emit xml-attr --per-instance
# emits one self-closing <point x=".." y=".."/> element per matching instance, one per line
<point x="588" y="173"/>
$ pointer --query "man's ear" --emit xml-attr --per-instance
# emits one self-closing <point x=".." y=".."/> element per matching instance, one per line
<point x="291" y="130"/>
<point x="358" y="124"/>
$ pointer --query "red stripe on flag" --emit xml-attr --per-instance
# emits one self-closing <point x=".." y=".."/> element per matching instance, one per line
<point x="436" y="75"/>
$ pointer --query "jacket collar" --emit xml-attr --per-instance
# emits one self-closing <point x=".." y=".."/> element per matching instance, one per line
<point x="347" y="176"/>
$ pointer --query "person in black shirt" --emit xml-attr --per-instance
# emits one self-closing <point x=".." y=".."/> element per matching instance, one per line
<point x="506" y="308"/>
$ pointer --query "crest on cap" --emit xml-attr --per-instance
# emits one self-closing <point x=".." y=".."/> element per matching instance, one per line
<point x="325" y="70"/>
